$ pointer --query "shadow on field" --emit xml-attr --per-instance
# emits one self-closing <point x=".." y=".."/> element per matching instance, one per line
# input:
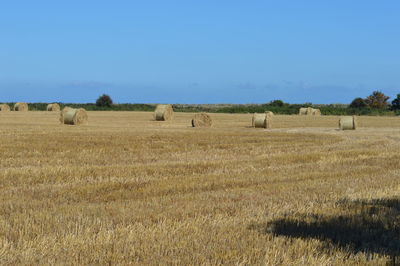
<point x="365" y="226"/>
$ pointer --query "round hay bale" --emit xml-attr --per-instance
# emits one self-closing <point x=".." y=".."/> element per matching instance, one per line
<point x="4" y="108"/>
<point x="309" y="111"/>
<point x="347" y="123"/>
<point x="53" y="107"/>
<point x="303" y="111"/>
<point x="268" y="121"/>
<point x="201" y="120"/>
<point x="71" y="116"/>
<point x="163" y="112"/>
<point x="269" y="113"/>
<point x="316" y="112"/>
<point x="22" y="107"/>
<point x="262" y="120"/>
<point x="259" y="118"/>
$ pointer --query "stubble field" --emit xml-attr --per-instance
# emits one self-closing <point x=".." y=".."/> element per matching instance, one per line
<point x="128" y="190"/>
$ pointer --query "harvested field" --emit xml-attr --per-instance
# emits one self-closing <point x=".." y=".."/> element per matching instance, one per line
<point x="126" y="189"/>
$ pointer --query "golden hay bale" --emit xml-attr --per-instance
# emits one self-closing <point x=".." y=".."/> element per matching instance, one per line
<point x="163" y="112"/>
<point x="262" y="120"/>
<point x="268" y="121"/>
<point x="71" y="116"/>
<point x="4" y="108"/>
<point x="53" y="107"/>
<point x="316" y="112"/>
<point x="303" y="111"/>
<point x="309" y="111"/>
<point x="347" y="123"/>
<point x="23" y="107"/>
<point x="257" y="117"/>
<point x="201" y="120"/>
<point x="269" y="113"/>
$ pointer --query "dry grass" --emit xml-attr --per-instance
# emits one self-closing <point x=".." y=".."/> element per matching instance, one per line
<point x="129" y="190"/>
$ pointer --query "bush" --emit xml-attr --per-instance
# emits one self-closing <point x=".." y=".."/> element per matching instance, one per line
<point x="104" y="101"/>
<point x="279" y="103"/>
<point x="396" y="103"/>
<point x="358" y="103"/>
<point x="377" y="100"/>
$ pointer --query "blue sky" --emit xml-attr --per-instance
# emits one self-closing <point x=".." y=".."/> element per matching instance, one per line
<point x="198" y="51"/>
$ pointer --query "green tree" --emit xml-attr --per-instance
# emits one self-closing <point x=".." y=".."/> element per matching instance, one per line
<point x="377" y="100"/>
<point x="279" y="103"/>
<point x="104" y="101"/>
<point x="358" y="103"/>
<point x="396" y="103"/>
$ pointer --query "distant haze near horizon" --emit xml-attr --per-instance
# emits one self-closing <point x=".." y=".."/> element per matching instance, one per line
<point x="199" y="52"/>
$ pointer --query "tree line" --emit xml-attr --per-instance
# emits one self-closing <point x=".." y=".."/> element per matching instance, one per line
<point x="375" y="104"/>
<point x="377" y="100"/>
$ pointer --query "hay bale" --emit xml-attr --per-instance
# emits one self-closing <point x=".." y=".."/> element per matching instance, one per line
<point x="268" y="121"/>
<point x="309" y="111"/>
<point x="303" y="111"/>
<point x="163" y="112"/>
<point x="22" y="107"/>
<point x="53" y="107"/>
<point x="4" y="108"/>
<point x="316" y="112"/>
<point x="71" y="116"/>
<point x="257" y="117"/>
<point x="269" y="113"/>
<point x="261" y="120"/>
<point x="201" y="120"/>
<point x="347" y="123"/>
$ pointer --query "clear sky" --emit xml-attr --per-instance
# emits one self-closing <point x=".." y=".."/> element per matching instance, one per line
<point x="208" y="51"/>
